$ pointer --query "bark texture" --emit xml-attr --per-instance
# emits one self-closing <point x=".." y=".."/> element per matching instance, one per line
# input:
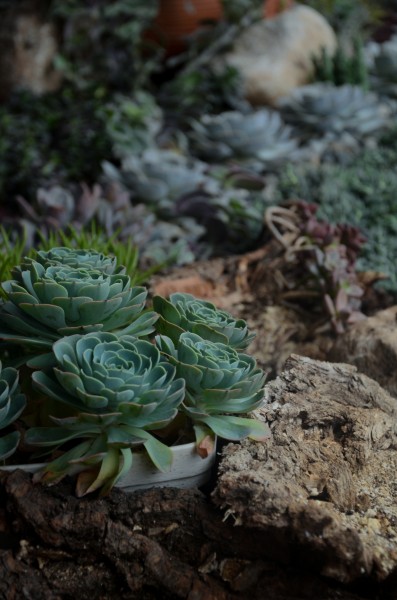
<point x="324" y="488"/>
<point x="371" y="346"/>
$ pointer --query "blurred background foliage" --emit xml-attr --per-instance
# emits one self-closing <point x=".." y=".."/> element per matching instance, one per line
<point x="165" y="152"/>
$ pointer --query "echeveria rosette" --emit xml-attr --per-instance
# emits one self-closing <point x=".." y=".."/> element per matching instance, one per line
<point x="185" y="312"/>
<point x="46" y="303"/>
<point x="12" y="403"/>
<point x="220" y="382"/>
<point x="79" y="258"/>
<point x="117" y="389"/>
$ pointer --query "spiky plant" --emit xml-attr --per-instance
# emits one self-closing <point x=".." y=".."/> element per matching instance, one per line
<point x="384" y="68"/>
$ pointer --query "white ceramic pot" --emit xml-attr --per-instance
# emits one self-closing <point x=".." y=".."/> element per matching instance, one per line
<point x="188" y="470"/>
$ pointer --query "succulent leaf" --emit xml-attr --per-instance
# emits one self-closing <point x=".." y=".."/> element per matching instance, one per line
<point x="12" y="403"/>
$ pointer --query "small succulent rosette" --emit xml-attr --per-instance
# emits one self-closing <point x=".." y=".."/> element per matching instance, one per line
<point x="12" y="403"/>
<point x="115" y="391"/>
<point x="184" y="312"/>
<point x="78" y="258"/>
<point x="56" y="296"/>
<point x="220" y="383"/>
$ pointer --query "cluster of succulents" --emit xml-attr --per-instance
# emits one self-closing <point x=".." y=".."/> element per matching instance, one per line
<point x="110" y="380"/>
<point x="361" y="194"/>
<point x="322" y="257"/>
<point x="186" y="193"/>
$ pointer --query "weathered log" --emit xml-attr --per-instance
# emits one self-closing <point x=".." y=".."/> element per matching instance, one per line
<point x="324" y="488"/>
<point x="318" y="499"/>
<point x="371" y="345"/>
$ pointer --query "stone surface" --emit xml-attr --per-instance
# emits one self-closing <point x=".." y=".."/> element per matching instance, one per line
<point x="28" y="45"/>
<point x="274" y="56"/>
<point x="323" y="489"/>
<point x="371" y="345"/>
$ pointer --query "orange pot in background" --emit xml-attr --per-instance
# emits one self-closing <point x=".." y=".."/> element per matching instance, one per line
<point x="177" y="19"/>
<point x="274" y="7"/>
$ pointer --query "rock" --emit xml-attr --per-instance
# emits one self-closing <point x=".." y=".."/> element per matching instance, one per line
<point x="35" y="46"/>
<point x="28" y="45"/>
<point x="274" y="56"/>
<point x="371" y="345"/>
<point x="323" y="488"/>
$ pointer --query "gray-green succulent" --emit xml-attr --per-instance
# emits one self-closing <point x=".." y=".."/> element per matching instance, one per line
<point x="185" y="312"/>
<point x="116" y="389"/>
<point x="45" y="303"/>
<point x="12" y="403"/>
<point x="220" y="382"/>
<point x="324" y="109"/>
<point x="159" y="177"/>
<point x="79" y="258"/>
<point x="260" y="135"/>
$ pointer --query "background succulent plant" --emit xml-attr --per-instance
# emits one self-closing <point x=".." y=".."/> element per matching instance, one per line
<point x="325" y="109"/>
<point x="12" y="403"/>
<point x="44" y="303"/>
<point x="79" y="258"/>
<point x="159" y="177"/>
<point x="185" y="312"/>
<point x="232" y="218"/>
<point x="259" y="135"/>
<point x="361" y="194"/>
<point x="220" y="382"/>
<point x="116" y="389"/>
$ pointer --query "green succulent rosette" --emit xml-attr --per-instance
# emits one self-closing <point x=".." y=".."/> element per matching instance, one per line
<point x="220" y="383"/>
<point x="79" y="258"/>
<point x="184" y="312"/>
<point x="12" y="403"/>
<point x="45" y="303"/>
<point x="117" y="390"/>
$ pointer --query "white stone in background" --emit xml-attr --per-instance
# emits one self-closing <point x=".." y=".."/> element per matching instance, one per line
<point x="274" y="56"/>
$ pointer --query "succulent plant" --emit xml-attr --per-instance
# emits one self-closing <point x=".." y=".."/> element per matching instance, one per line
<point x="46" y="302"/>
<point x="159" y="177"/>
<point x="233" y="218"/>
<point x="185" y="312"/>
<point x="325" y="109"/>
<point x="79" y="258"/>
<point x="117" y="390"/>
<point x="259" y="135"/>
<point x="132" y="123"/>
<point x="12" y="403"/>
<point x="220" y="382"/>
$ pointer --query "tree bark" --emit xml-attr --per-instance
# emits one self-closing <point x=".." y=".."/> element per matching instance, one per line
<point x="310" y="514"/>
